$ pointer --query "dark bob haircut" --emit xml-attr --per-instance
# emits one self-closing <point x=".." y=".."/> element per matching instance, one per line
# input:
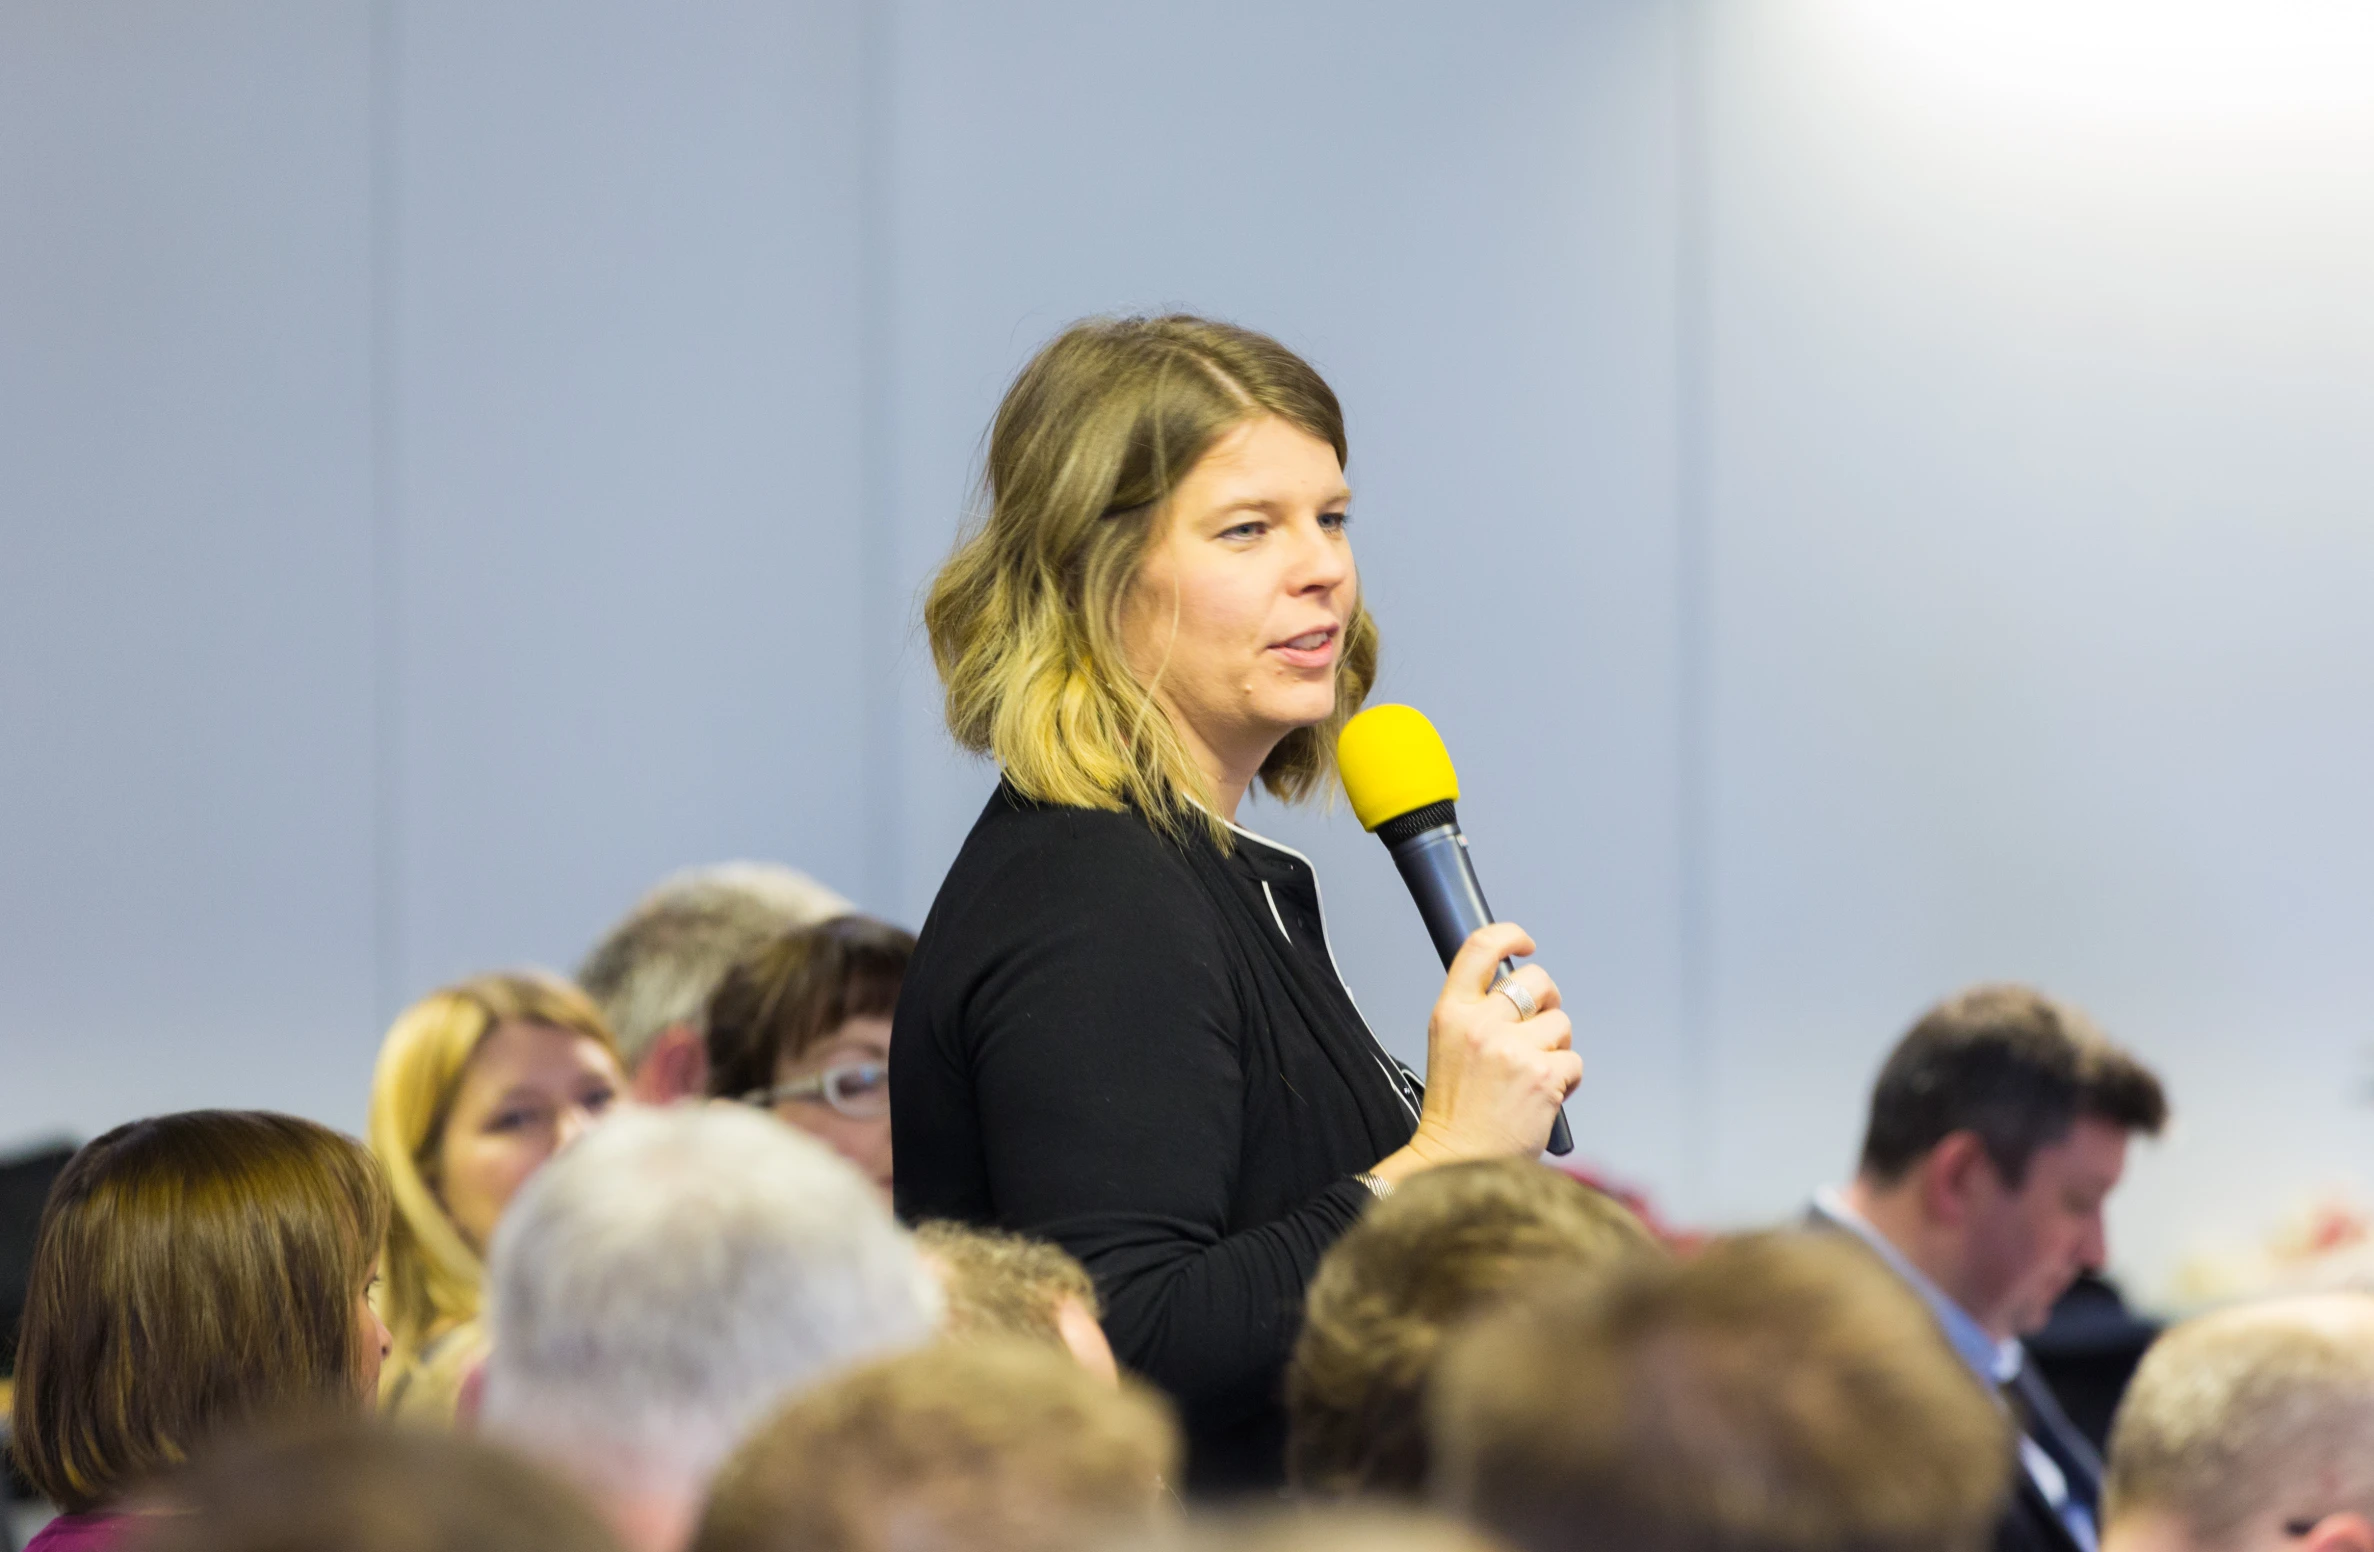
<point x="791" y="994"/>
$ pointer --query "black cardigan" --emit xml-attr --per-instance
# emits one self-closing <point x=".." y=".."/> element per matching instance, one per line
<point x="1139" y="1048"/>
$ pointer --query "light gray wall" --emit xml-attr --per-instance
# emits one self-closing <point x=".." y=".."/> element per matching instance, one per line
<point x="2041" y="538"/>
<point x="1860" y="525"/>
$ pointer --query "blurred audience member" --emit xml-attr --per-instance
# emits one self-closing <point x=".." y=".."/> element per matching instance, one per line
<point x="654" y="974"/>
<point x="1776" y="1393"/>
<point x="1998" y="1130"/>
<point x="802" y="1026"/>
<point x="2250" y="1430"/>
<point x="1007" y="1285"/>
<point x="370" y="1489"/>
<point x="194" y="1274"/>
<point x="666" y="1283"/>
<point x="1347" y="1527"/>
<point x="1448" y="1242"/>
<point x="992" y="1446"/>
<point x="478" y="1084"/>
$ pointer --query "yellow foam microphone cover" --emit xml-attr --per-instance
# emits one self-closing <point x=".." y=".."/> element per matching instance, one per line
<point x="1393" y="763"/>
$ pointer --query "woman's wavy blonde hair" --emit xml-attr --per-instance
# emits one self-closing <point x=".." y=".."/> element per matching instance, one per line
<point x="1025" y="617"/>
<point x="430" y="1276"/>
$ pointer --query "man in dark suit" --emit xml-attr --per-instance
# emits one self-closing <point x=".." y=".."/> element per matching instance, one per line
<point x="1998" y="1129"/>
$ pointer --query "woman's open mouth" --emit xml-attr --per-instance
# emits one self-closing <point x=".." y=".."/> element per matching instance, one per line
<point x="1311" y="649"/>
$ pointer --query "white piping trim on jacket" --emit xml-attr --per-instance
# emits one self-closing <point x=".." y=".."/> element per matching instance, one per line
<point x="1384" y="1061"/>
<point x="1281" y="921"/>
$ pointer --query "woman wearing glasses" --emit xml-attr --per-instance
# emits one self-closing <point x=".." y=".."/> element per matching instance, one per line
<point x="803" y="1028"/>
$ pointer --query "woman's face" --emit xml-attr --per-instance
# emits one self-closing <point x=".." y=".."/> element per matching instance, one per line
<point x="528" y="1092"/>
<point x="373" y="1340"/>
<point x="864" y="1140"/>
<point x="1237" y="615"/>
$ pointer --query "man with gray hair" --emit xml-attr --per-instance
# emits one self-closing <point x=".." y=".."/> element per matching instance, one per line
<point x="654" y="972"/>
<point x="2250" y="1430"/>
<point x="664" y="1283"/>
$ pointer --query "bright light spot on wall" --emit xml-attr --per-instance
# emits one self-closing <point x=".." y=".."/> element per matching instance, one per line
<point x="2157" y="60"/>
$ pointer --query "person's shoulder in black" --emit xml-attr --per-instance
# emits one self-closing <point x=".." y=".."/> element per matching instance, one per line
<point x="1079" y="1041"/>
<point x="1059" y="938"/>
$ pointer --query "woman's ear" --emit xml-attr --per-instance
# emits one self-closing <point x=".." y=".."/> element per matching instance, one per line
<point x="2341" y="1533"/>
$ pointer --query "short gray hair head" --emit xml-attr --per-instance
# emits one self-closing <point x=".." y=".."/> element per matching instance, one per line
<point x="659" y="966"/>
<point x="2257" y="1411"/>
<point x="666" y="1281"/>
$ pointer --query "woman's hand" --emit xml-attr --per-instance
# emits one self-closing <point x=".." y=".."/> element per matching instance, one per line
<point x="1494" y="1082"/>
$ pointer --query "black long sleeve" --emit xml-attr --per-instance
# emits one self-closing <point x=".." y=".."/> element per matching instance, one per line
<point x="1089" y="1050"/>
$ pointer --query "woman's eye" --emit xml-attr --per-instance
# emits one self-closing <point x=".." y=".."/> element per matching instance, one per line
<point x="1335" y="522"/>
<point x="599" y="1100"/>
<point x="1245" y="531"/>
<point x="510" y="1120"/>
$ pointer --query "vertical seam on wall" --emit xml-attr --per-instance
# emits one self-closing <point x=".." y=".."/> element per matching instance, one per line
<point x="387" y="527"/>
<point x="883" y="617"/>
<point x="1693" y="607"/>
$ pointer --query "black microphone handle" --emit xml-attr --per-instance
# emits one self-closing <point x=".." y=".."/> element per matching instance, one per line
<point x="1442" y="880"/>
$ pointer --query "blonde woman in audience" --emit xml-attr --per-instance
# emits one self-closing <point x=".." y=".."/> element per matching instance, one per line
<point x="2250" y="1430"/>
<point x="478" y="1085"/>
<point x="194" y="1275"/>
<point x="988" y="1447"/>
<point x="1008" y="1285"/>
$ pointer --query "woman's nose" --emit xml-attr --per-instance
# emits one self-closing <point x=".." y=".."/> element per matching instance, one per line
<point x="574" y="1119"/>
<point x="1323" y="562"/>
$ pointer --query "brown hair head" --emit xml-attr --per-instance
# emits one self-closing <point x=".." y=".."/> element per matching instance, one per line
<point x="2012" y="1065"/>
<point x="1449" y="1242"/>
<point x="777" y="1004"/>
<point x="1025" y="617"/>
<point x="1352" y="1526"/>
<point x="993" y="1446"/>
<point x="359" y="1488"/>
<point x="194" y="1273"/>
<point x="1777" y="1393"/>
<point x="1001" y="1284"/>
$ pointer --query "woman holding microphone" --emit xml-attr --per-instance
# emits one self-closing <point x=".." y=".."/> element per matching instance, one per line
<point x="1123" y="1029"/>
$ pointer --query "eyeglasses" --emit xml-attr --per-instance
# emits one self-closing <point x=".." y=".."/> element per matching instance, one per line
<point x="860" y="1090"/>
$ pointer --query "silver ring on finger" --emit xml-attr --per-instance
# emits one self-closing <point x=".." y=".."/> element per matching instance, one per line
<point x="1519" y="998"/>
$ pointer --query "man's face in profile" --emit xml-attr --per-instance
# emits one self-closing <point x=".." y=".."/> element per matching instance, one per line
<point x="2028" y="1245"/>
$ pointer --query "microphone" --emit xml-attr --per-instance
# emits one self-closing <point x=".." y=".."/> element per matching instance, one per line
<point x="1404" y="791"/>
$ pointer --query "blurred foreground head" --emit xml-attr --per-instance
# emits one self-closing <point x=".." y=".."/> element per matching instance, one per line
<point x="1347" y="1527"/>
<point x="2250" y="1429"/>
<point x="1002" y="1285"/>
<point x="665" y="1283"/>
<point x="359" y="1489"/>
<point x="1777" y="1393"/>
<point x="1448" y="1243"/>
<point x="990" y="1446"/>
<point x="655" y="971"/>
